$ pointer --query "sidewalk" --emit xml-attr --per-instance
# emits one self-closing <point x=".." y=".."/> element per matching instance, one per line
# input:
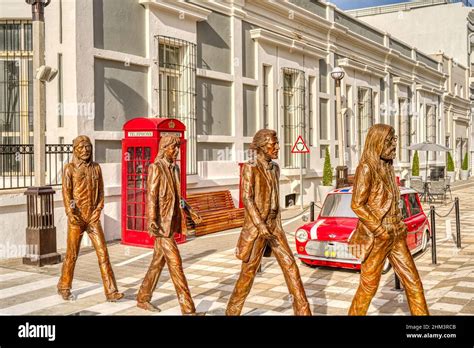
<point x="449" y="285"/>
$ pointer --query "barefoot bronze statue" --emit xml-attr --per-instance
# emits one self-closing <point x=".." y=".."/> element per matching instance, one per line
<point x="83" y="196"/>
<point x="381" y="232"/>
<point x="165" y="216"/>
<point x="262" y="226"/>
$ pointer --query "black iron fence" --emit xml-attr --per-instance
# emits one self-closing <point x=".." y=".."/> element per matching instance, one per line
<point x="17" y="164"/>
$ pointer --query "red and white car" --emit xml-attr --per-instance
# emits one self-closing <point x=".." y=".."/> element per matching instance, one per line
<point x="324" y="242"/>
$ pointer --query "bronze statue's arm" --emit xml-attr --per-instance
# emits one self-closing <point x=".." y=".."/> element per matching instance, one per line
<point x="100" y="203"/>
<point x="248" y="195"/>
<point x="152" y="197"/>
<point x="360" y="196"/>
<point x="100" y="195"/>
<point x="67" y="190"/>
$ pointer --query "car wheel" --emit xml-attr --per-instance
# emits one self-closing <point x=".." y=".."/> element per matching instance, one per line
<point x="386" y="266"/>
<point x="425" y="242"/>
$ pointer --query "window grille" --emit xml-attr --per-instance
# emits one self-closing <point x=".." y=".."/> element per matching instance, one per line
<point x="365" y="117"/>
<point x="177" y="89"/>
<point x="294" y="123"/>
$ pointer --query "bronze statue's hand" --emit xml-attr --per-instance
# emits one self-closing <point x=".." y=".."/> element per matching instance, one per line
<point x="402" y="229"/>
<point x="382" y="233"/>
<point x="95" y="215"/>
<point x="264" y="232"/>
<point x="154" y="229"/>
<point x="74" y="219"/>
<point x="196" y="218"/>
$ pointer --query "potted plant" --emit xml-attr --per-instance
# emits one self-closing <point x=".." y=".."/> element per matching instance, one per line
<point x="450" y="166"/>
<point x="465" y="168"/>
<point x="326" y="186"/>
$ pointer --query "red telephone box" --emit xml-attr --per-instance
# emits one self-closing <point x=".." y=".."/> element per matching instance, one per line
<point x="139" y="148"/>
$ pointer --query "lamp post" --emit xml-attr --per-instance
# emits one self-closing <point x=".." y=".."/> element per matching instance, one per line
<point x="40" y="230"/>
<point x="341" y="170"/>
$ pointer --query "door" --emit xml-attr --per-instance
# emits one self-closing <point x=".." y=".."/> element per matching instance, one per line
<point x="417" y="220"/>
<point x="134" y="179"/>
<point x="408" y="220"/>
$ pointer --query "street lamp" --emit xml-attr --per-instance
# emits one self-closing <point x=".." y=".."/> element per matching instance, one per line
<point x="341" y="171"/>
<point x="40" y="230"/>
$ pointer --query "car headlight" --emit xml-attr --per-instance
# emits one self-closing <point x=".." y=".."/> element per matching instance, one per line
<point x="301" y="236"/>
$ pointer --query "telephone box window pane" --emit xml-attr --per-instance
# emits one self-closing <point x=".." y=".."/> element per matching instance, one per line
<point x="130" y="209"/>
<point x="139" y="224"/>
<point x="139" y="153"/>
<point x="130" y="195"/>
<point x="130" y="223"/>
<point x="147" y="153"/>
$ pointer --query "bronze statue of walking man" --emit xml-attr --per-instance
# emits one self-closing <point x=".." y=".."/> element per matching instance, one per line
<point x="381" y="232"/>
<point x="262" y="226"/>
<point x="83" y="196"/>
<point x="165" y="218"/>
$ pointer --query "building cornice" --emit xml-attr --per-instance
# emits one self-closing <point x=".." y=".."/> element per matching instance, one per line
<point x="427" y="89"/>
<point x="398" y="80"/>
<point x="187" y="9"/>
<point x="292" y="44"/>
<point x="361" y="67"/>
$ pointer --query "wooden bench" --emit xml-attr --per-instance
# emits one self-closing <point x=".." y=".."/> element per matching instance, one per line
<point x="217" y="211"/>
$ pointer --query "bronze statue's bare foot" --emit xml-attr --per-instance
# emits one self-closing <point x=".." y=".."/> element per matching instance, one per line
<point x="66" y="294"/>
<point x="148" y="306"/>
<point x="114" y="296"/>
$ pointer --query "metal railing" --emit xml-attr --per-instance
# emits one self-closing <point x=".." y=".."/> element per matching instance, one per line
<point x="17" y="165"/>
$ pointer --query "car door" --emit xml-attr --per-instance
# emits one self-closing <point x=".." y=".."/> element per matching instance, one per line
<point x="417" y="220"/>
<point x="407" y="219"/>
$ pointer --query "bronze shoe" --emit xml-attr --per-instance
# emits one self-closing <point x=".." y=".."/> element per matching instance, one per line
<point x="114" y="297"/>
<point x="197" y="314"/>
<point x="148" y="306"/>
<point x="66" y="294"/>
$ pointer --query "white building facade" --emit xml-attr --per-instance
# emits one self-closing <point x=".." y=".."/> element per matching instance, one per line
<point x="445" y="30"/>
<point x="226" y="69"/>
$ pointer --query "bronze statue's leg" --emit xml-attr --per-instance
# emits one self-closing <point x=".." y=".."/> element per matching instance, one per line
<point x="175" y="267"/>
<point x="287" y="262"/>
<point x="96" y="234"/>
<point x="74" y="237"/>
<point x="153" y="273"/>
<point x="404" y="266"/>
<point x="370" y="273"/>
<point x="246" y="278"/>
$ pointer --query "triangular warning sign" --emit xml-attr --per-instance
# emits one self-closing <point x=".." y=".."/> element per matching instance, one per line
<point x="300" y="146"/>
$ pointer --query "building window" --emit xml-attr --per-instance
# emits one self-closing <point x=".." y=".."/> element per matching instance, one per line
<point x="455" y="89"/>
<point x="177" y="89"/>
<point x="60" y="107"/>
<point x="404" y="126"/>
<point x="323" y="76"/>
<point x="294" y="113"/>
<point x="431" y="128"/>
<point x="323" y="119"/>
<point x="461" y="91"/>
<point x="322" y="150"/>
<point x="16" y="78"/>
<point x="311" y="104"/>
<point x="365" y="117"/>
<point x="266" y="96"/>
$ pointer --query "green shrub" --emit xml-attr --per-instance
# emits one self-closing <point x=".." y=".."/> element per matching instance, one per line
<point x="465" y="164"/>
<point x="450" y="163"/>
<point x="327" y="172"/>
<point x="415" y="169"/>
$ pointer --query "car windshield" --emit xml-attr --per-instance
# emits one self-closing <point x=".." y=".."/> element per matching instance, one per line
<point x="338" y="205"/>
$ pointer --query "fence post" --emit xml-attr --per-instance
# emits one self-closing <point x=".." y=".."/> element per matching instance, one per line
<point x="311" y="211"/>
<point x="397" y="282"/>
<point x="433" y="234"/>
<point x="458" y="223"/>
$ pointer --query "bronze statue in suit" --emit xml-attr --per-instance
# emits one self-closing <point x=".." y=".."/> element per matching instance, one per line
<point x="381" y="232"/>
<point x="165" y="217"/>
<point x="262" y="226"/>
<point x="83" y="197"/>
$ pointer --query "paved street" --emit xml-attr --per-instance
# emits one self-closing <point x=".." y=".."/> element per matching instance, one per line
<point x="212" y="269"/>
